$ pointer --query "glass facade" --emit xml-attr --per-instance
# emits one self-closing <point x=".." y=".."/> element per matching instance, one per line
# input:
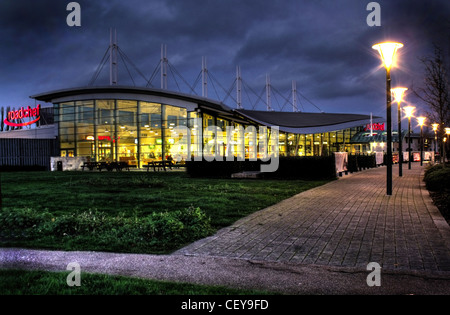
<point x="138" y="132"/>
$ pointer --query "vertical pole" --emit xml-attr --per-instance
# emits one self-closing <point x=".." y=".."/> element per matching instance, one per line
<point x="435" y="146"/>
<point x="294" y="97"/>
<point x="269" y="107"/>
<point x="409" y="143"/>
<point x="113" y="58"/>
<point x="110" y="57"/>
<point x="371" y="125"/>
<point x="400" y="140"/>
<point x="163" y="67"/>
<point x="138" y="131"/>
<point x="389" y="134"/>
<point x="204" y="78"/>
<point x="238" y="87"/>
<point x="421" y="145"/>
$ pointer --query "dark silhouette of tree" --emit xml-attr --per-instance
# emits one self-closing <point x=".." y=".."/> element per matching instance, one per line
<point x="435" y="90"/>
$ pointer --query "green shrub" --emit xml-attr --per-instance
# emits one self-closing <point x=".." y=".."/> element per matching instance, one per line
<point x="166" y="230"/>
<point x="22" y="222"/>
<point x="431" y="169"/>
<point x="437" y="179"/>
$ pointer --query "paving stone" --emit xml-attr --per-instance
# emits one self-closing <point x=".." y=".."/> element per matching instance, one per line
<point x="348" y="222"/>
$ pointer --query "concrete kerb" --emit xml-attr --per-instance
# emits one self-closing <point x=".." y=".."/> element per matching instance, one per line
<point x="283" y="278"/>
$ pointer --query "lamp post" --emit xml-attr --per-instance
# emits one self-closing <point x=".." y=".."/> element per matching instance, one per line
<point x="435" y="128"/>
<point x="421" y="121"/>
<point x="398" y="96"/>
<point x="443" y="145"/>
<point x="409" y="111"/>
<point x="387" y="52"/>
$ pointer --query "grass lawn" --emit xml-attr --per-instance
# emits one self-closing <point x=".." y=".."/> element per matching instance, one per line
<point x="115" y="206"/>
<point x="21" y="282"/>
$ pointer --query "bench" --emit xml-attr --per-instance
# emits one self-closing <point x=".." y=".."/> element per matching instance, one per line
<point x="118" y="166"/>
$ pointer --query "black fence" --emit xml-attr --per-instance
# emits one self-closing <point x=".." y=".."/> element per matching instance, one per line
<point x="27" y="154"/>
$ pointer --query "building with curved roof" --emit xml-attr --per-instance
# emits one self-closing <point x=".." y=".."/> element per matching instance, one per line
<point x="137" y="125"/>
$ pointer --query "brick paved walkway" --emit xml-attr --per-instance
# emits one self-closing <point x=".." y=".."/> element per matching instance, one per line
<point x="349" y="222"/>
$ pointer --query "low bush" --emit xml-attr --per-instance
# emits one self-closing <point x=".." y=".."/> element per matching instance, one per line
<point x="308" y="168"/>
<point x="437" y="178"/>
<point x="166" y="230"/>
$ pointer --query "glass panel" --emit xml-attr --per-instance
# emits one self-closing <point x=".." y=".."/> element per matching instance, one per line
<point x="127" y="137"/>
<point x="66" y="120"/>
<point x="302" y="145"/>
<point x="195" y="125"/>
<point x="150" y="132"/>
<point x="175" y="133"/>
<point x="308" y="145"/>
<point x="85" y="128"/>
<point x="222" y="141"/>
<point x="209" y="136"/>
<point x="106" y="131"/>
<point x="282" y="144"/>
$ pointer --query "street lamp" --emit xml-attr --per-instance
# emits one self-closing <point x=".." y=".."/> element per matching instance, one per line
<point x="443" y="145"/>
<point x="409" y="111"/>
<point x="435" y="128"/>
<point x="387" y="52"/>
<point x="398" y="97"/>
<point x="421" y="121"/>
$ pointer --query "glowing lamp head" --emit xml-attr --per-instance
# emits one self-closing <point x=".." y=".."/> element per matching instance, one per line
<point x="387" y="52"/>
<point x="447" y="131"/>
<point x="421" y="121"/>
<point x="435" y="127"/>
<point x="398" y="94"/>
<point x="409" y="111"/>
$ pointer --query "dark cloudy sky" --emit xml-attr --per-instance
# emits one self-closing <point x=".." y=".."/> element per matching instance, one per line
<point x="324" y="45"/>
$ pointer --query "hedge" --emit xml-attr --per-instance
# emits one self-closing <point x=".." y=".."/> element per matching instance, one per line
<point x="359" y="162"/>
<point x="437" y="178"/>
<point x="308" y="168"/>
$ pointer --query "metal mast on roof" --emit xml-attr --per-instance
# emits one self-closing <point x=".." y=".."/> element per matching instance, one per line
<point x="113" y="57"/>
<point x="294" y="96"/>
<point x="269" y="105"/>
<point x="204" y="78"/>
<point x="164" y="62"/>
<point x="239" y="87"/>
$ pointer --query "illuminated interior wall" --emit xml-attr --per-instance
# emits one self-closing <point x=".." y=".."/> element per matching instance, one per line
<point x="139" y="132"/>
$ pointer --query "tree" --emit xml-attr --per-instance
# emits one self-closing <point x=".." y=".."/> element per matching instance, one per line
<point x="435" y="90"/>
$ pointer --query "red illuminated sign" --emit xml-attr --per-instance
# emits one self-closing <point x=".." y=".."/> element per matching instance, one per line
<point x="21" y="114"/>
<point x="374" y="127"/>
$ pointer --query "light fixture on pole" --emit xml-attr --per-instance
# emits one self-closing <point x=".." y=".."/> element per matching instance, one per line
<point x="409" y="111"/>
<point x="398" y="97"/>
<point x="421" y="121"/>
<point x="435" y="128"/>
<point x="387" y="52"/>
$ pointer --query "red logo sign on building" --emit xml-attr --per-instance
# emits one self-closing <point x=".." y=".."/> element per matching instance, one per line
<point x="31" y="113"/>
<point x="374" y="127"/>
